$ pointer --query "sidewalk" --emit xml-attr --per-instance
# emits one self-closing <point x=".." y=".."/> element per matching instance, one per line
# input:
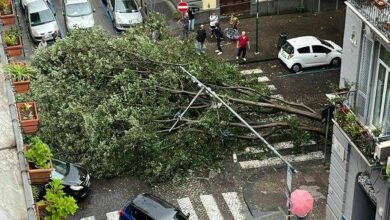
<point x="265" y="197"/>
<point x="12" y="201"/>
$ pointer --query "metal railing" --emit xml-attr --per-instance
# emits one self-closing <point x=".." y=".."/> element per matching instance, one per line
<point x="377" y="16"/>
<point x="18" y="136"/>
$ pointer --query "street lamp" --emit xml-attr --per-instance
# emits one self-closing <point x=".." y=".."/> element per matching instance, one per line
<point x="257" y="27"/>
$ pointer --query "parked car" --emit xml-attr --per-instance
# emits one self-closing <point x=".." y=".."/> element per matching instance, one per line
<point x="76" y="180"/>
<point x="149" y="207"/>
<point x="40" y="20"/>
<point x="25" y="2"/>
<point x="124" y="13"/>
<point x="78" y="14"/>
<point x="309" y="51"/>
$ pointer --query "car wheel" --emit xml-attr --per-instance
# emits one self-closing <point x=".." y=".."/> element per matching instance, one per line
<point x="336" y="62"/>
<point x="296" y="68"/>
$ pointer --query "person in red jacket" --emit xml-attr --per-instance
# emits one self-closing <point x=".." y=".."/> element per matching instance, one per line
<point x="242" y="44"/>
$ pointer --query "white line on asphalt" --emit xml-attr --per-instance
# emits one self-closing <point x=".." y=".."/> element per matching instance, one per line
<point x="277" y="96"/>
<point x="277" y="146"/>
<point x="263" y="79"/>
<point x="88" y="218"/>
<point x="251" y="71"/>
<point x="271" y="87"/>
<point x="113" y="215"/>
<point x="273" y="161"/>
<point x="234" y="204"/>
<point x="187" y="208"/>
<point x="211" y="207"/>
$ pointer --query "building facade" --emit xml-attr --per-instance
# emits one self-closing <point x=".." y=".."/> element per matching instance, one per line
<point x="358" y="182"/>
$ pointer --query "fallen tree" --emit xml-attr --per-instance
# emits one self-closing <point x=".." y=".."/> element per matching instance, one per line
<point x="109" y="102"/>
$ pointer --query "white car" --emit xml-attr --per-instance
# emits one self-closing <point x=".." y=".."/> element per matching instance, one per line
<point x="308" y="51"/>
<point x="25" y="2"/>
<point x="41" y="21"/>
<point x="78" y="14"/>
<point x="124" y="13"/>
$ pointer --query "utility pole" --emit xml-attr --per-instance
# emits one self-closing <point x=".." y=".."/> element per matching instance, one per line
<point x="257" y="27"/>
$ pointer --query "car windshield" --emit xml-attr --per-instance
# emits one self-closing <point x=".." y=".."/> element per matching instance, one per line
<point x="41" y="17"/>
<point x="79" y="9"/>
<point x="60" y="169"/>
<point x="288" y="48"/>
<point x="125" y="6"/>
<point x="326" y="43"/>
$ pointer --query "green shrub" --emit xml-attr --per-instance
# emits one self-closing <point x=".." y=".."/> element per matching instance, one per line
<point x="19" y="71"/>
<point x="39" y="154"/>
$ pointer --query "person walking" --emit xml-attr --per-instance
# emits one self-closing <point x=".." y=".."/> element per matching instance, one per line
<point x="43" y="43"/>
<point x="191" y="18"/>
<point x="234" y="21"/>
<point x="219" y="36"/>
<point x="184" y="21"/>
<point x="200" y="38"/>
<point x="242" y="44"/>
<point x="213" y="21"/>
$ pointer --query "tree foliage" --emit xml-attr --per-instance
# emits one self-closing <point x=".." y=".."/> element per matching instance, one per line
<point x="108" y="103"/>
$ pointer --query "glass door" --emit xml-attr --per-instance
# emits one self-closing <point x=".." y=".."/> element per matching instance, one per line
<point x="381" y="98"/>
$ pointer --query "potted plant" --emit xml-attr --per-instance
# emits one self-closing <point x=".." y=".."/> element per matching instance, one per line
<point x="13" y="42"/>
<point x="7" y="12"/>
<point x="28" y="116"/>
<point x="56" y="204"/>
<point x="38" y="156"/>
<point x="21" y="74"/>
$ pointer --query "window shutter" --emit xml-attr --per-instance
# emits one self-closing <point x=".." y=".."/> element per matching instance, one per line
<point x="364" y="79"/>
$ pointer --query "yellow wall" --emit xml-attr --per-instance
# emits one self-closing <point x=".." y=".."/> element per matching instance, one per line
<point x="209" y="4"/>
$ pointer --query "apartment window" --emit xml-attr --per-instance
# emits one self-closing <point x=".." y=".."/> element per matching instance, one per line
<point x="380" y="115"/>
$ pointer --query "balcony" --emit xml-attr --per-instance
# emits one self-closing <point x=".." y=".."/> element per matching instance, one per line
<point x="376" y="12"/>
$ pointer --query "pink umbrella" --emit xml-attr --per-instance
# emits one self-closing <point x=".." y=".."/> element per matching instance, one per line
<point x="301" y="202"/>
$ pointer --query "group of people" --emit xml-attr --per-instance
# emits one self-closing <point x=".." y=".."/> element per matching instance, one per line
<point x="243" y="42"/>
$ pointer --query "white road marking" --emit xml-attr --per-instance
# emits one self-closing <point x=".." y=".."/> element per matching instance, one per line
<point x="263" y="79"/>
<point x="277" y="146"/>
<point x="187" y="208"/>
<point x="88" y="218"/>
<point x="278" y="96"/>
<point x="271" y="87"/>
<point x="277" y="161"/>
<point x="211" y="207"/>
<point x="113" y="215"/>
<point x="251" y="71"/>
<point x="234" y="204"/>
<point x="235" y="158"/>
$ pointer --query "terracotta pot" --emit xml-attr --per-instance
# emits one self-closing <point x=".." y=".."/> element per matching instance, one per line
<point x="9" y="19"/>
<point x="38" y="176"/>
<point x="16" y="50"/>
<point x="40" y="211"/>
<point x="28" y="125"/>
<point x="21" y="86"/>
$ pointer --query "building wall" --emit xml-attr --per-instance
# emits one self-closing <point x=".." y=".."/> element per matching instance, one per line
<point x="346" y="164"/>
<point x="351" y="48"/>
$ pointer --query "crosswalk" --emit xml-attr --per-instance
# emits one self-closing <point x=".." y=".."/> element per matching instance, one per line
<point x="237" y="208"/>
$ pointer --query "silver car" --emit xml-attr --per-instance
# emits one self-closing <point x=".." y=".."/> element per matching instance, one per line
<point x="41" y="21"/>
<point x="78" y="14"/>
<point x="124" y="13"/>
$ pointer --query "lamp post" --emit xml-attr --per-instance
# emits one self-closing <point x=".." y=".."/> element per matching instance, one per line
<point x="257" y="27"/>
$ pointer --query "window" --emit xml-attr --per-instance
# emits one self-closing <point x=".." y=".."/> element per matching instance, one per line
<point x="320" y="49"/>
<point x="288" y="48"/>
<point x="41" y="17"/>
<point x="125" y="6"/>
<point x="304" y="50"/>
<point x="325" y="43"/>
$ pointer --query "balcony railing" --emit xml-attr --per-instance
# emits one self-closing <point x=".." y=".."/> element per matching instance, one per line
<point x="377" y="15"/>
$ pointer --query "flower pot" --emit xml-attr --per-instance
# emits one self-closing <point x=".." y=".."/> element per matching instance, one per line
<point x="38" y="176"/>
<point x="8" y="19"/>
<point x="15" y="50"/>
<point x="29" y="125"/>
<point x="21" y="86"/>
<point x="40" y="211"/>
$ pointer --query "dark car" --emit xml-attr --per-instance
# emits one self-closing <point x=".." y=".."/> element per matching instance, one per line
<point x="74" y="178"/>
<point x="149" y="207"/>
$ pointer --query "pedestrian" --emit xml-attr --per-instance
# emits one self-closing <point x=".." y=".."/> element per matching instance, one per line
<point x="191" y="18"/>
<point x="213" y="20"/>
<point x="234" y="21"/>
<point x="43" y="43"/>
<point x="200" y="38"/>
<point x="242" y="44"/>
<point x="184" y="23"/>
<point x="219" y="36"/>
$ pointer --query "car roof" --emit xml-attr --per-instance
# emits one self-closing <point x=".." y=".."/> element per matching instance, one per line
<point x="303" y="41"/>
<point x="154" y="207"/>
<point x="37" y="5"/>
<point x="68" y="2"/>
